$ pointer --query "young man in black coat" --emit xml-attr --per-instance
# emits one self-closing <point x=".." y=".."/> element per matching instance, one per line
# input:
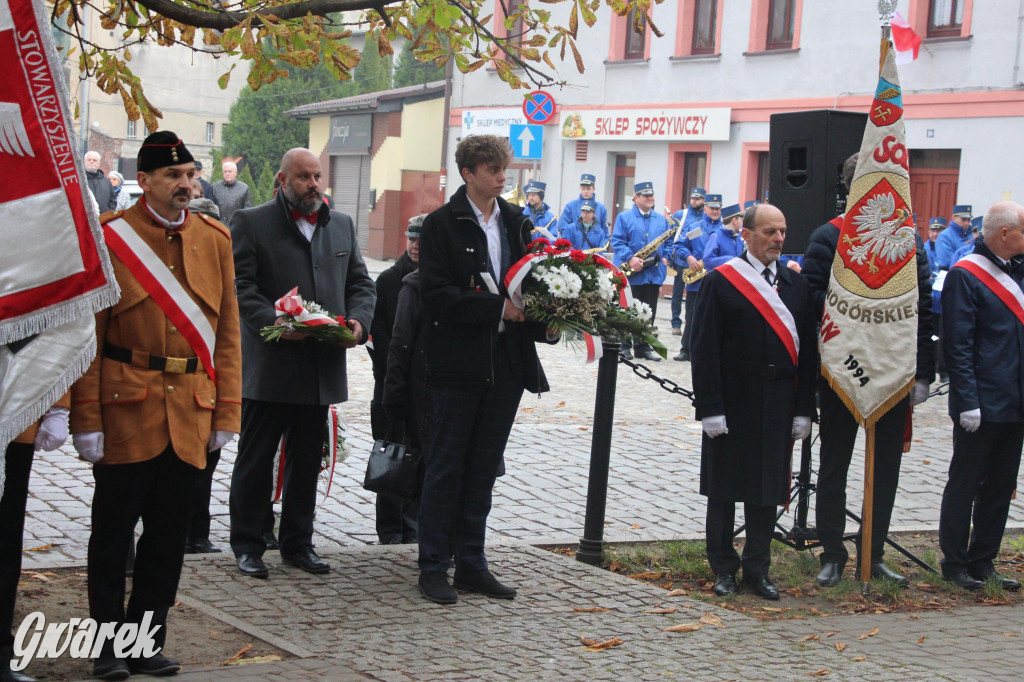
<point x="754" y="362"/>
<point x="396" y="520"/>
<point x="480" y="356"/>
<point x="839" y="427"/>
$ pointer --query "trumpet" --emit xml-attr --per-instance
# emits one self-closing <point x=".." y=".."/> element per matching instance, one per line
<point x="599" y="249"/>
<point x="691" y="275"/>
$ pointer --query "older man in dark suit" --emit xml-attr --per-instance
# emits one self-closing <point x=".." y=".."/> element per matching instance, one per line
<point x="292" y="240"/>
<point x="754" y="364"/>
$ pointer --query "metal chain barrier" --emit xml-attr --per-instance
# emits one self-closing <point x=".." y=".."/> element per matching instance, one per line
<point x="644" y="372"/>
<point x="941" y="389"/>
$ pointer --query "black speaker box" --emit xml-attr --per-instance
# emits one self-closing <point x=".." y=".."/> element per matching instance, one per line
<point x="805" y="168"/>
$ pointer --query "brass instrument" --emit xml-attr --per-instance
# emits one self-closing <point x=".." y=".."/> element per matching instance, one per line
<point x="599" y="249"/>
<point x="648" y="250"/>
<point x="515" y="196"/>
<point x="691" y="275"/>
<point x="538" y="229"/>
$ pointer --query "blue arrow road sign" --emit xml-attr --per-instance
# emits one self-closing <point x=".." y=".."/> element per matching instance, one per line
<point x="526" y="140"/>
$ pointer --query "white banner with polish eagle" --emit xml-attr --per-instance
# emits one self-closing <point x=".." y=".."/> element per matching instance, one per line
<point x="868" y="332"/>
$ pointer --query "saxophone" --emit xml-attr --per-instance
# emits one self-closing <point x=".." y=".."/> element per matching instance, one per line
<point x="648" y="250"/>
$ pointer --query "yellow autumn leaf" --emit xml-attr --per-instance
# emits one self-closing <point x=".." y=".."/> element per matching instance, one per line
<point x="684" y="627"/>
<point x="711" y="619"/>
<point x="840" y="646"/>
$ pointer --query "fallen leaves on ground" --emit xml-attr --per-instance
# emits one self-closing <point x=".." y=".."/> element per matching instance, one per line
<point x="670" y="609"/>
<point x="635" y="526"/>
<point x="870" y="633"/>
<point x="860" y="658"/>
<point x="819" y="673"/>
<point x="1010" y="634"/>
<point x="811" y="638"/>
<point x="840" y="646"/>
<point x="711" y="619"/>
<point x="590" y="644"/>
<point x="40" y="548"/>
<point x="650" y="575"/>
<point x="921" y="641"/>
<point x="239" y="654"/>
<point x="676" y="593"/>
<point x="561" y="404"/>
<point x="269" y="658"/>
<point x="590" y="609"/>
<point x="684" y="627"/>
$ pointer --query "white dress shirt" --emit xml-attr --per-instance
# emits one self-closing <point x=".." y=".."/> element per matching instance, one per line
<point x="306" y="228"/>
<point x="490" y="227"/>
<point x="167" y="224"/>
<point x="759" y="266"/>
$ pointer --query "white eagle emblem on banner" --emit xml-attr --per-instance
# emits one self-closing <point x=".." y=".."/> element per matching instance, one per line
<point x="13" y="137"/>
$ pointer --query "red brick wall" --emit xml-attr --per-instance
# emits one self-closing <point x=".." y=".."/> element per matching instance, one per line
<point x="109" y="149"/>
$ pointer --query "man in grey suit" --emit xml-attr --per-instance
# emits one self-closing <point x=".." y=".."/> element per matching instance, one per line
<point x="287" y="386"/>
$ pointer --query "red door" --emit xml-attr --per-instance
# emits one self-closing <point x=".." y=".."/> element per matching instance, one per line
<point x="932" y="193"/>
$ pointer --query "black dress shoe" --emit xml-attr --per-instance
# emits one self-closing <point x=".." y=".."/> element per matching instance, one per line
<point x="9" y="675"/>
<point x="962" y="579"/>
<point x="682" y="357"/>
<point x="252" y="565"/>
<point x="391" y="540"/>
<point x="830" y="574"/>
<point x="484" y="583"/>
<point x="271" y="540"/>
<point x="434" y="587"/>
<point x="1007" y="583"/>
<point x="626" y="353"/>
<point x="763" y="586"/>
<point x="157" y="665"/>
<point x="307" y="560"/>
<point x="109" y="667"/>
<point x="880" y="570"/>
<point x="648" y="354"/>
<point x="725" y="584"/>
<point x="203" y="546"/>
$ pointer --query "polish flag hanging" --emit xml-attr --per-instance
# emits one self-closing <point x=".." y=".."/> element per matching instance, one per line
<point x="906" y="42"/>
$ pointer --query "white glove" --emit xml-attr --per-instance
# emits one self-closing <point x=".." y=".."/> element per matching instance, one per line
<point x="920" y="394"/>
<point x="219" y="439"/>
<point x="970" y="420"/>
<point x="801" y="428"/>
<point x="714" y="426"/>
<point x="53" y="430"/>
<point x="89" y="445"/>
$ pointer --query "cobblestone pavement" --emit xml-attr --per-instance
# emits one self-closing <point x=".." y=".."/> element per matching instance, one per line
<point x="367" y="616"/>
<point x="365" y="620"/>
<point x="652" y="492"/>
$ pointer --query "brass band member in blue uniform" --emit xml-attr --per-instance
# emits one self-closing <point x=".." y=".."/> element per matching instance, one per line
<point x="571" y="212"/>
<point x="635" y="229"/>
<point x="686" y="251"/>
<point x="587" y="233"/>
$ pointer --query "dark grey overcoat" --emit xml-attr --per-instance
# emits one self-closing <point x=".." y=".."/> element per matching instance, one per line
<point x="271" y="257"/>
<point x="742" y="369"/>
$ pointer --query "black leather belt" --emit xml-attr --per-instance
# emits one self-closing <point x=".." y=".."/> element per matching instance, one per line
<point x="148" y="361"/>
<point x="770" y="372"/>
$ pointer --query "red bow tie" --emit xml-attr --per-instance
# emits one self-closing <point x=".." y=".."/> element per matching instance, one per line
<point x="308" y="217"/>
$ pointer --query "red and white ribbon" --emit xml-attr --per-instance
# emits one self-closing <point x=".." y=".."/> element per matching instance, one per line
<point x="1001" y="284"/>
<point x="292" y="305"/>
<point x="595" y="349"/>
<point x="159" y="282"/>
<point x="755" y="289"/>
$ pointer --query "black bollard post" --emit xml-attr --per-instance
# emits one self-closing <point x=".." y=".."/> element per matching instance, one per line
<point x="591" y="549"/>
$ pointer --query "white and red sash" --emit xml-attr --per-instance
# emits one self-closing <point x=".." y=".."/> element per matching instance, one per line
<point x="765" y="299"/>
<point x="160" y="283"/>
<point x="1000" y="284"/>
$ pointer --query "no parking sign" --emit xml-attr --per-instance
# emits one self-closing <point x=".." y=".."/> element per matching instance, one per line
<point x="539" y="107"/>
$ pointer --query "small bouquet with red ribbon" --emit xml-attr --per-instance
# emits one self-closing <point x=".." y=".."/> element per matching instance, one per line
<point x="307" y="317"/>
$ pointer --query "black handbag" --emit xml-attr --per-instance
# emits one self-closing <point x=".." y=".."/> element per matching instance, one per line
<point x="393" y="470"/>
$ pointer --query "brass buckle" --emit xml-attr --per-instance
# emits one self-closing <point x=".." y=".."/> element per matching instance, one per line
<point x="176" y="365"/>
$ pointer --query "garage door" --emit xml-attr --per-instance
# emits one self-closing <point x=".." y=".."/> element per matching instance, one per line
<point x="350" y="187"/>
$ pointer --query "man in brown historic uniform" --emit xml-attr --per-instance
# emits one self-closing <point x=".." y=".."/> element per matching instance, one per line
<point x="164" y="390"/>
